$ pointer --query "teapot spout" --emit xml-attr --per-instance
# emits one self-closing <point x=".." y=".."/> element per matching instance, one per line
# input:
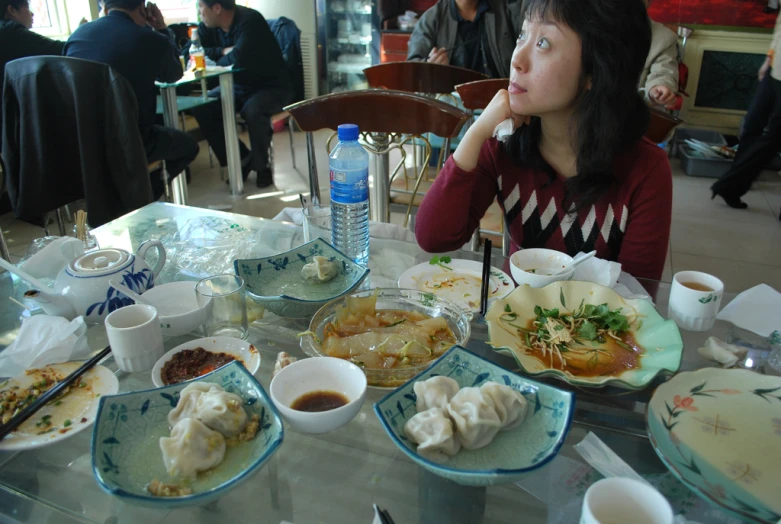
<point x="52" y="303"/>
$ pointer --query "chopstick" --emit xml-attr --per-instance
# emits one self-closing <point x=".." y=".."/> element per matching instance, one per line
<point x="485" y="284"/>
<point x="30" y="410"/>
<point x="385" y="517"/>
<point x="81" y="223"/>
<point x="12" y="299"/>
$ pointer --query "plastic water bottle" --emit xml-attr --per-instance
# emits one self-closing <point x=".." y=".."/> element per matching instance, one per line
<point x="349" y="164"/>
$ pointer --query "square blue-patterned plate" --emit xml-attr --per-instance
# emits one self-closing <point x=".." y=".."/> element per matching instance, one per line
<point x="514" y="453"/>
<point x="126" y="452"/>
<point x="275" y="282"/>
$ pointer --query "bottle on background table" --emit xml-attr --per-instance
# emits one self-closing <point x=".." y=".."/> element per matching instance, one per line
<point x="196" y="51"/>
<point x="349" y="165"/>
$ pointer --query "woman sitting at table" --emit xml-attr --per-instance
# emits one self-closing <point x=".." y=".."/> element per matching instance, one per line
<point x="576" y="174"/>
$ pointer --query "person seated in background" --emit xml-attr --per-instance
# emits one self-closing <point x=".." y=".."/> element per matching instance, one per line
<point x="576" y="174"/>
<point x="473" y="34"/>
<point x="240" y="36"/>
<point x="660" y="74"/>
<point x="132" y="39"/>
<point x="16" y="39"/>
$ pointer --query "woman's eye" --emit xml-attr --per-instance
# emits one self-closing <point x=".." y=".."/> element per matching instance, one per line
<point x="522" y="36"/>
<point x="543" y="43"/>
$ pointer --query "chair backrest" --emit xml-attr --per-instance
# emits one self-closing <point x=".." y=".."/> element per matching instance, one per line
<point x="477" y="95"/>
<point x="379" y="111"/>
<point x="419" y="77"/>
<point x="70" y="131"/>
<point x="660" y="125"/>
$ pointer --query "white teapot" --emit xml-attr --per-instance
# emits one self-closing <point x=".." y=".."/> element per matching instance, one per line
<point x="82" y="288"/>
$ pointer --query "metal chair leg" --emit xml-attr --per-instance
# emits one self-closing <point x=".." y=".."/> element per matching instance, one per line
<point x="60" y="222"/>
<point x="166" y="183"/>
<point x="474" y="243"/>
<point x="506" y="239"/>
<point x="290" y="124"/>
<point x="4" y="254"/>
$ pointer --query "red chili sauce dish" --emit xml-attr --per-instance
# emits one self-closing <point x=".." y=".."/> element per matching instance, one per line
<point x="192" y="363"/>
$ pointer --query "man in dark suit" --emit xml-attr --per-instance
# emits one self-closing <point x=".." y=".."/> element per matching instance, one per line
<point x="132" y="39"/>
<point x="239" y="36"/>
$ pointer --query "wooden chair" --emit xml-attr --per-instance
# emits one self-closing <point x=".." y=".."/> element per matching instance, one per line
<point x="661" y="125"/>
<point x="435" y="80"/>
<point x="381" y="115"/>
<point x="476" y="96"/>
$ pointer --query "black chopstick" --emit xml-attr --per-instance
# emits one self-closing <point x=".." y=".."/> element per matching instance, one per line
<point x="485" y="285"/>
<point x="386" y="518"/>
<point x="30" y="410"/>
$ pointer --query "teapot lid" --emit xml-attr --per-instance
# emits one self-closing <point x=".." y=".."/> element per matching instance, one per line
<point x="100" y="261"/>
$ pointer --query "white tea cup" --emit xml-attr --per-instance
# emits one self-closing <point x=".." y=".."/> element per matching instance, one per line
<point x="135" y="337"/>
<point x="695" y="299"/>
<point x="618" y="500"/>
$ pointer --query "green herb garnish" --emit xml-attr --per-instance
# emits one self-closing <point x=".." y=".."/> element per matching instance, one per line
<point x="441" y="261"/>
<point x="66" y="423"/>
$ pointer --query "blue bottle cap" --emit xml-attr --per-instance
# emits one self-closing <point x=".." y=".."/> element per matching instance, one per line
<point x="347" y="132"/>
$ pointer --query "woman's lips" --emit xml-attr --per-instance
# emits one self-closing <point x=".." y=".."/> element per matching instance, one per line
<point x="515" y="89"/>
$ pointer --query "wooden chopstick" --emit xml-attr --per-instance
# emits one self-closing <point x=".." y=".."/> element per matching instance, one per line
<point x="486" y="284"/>
<point x="30" y="410"/>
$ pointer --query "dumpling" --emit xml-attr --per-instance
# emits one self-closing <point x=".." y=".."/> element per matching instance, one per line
<point x="509" y="404"/>
<point x="187" y="401"/>
<point x="221" y="411"/>
<point x="321" y="269"/>
<point x="192" y="447"/>
<point x="433" y="432"/>
<point x="475" y="417"/>
<point x="435" y="392"/>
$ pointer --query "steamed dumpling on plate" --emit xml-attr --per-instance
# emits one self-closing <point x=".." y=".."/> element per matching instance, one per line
<point x="221" y="411"/>
<point x="509" y="404"/>
<point x="433" y="432"/>
<point x="435" y="392"/>
<point x="191" y="448"/>
<point x="188" y="398"/>
<point x="321" y="269"/>
<point x="474" y="414"/>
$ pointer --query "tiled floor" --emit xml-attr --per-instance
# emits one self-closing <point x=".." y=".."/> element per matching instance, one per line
<point x="742" y="247"/>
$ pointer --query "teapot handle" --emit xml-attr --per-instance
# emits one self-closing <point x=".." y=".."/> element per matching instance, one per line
<point x="143" y="248"/>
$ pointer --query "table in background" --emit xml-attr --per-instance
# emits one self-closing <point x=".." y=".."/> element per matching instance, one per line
<point x="334" y="477"/>
<point x="171" y="119"/>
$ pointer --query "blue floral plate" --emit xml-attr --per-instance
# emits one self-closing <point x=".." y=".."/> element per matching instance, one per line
<point x="126" y="452"/>
<point x="514" y="453"/>
<point x="275" y="282"/>
<point x="719" y="431"/>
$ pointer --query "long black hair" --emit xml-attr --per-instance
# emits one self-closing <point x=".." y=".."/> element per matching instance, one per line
<point x="616" y="38"/>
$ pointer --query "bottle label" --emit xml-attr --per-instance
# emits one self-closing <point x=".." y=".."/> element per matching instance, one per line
<point x="350" y="187"/>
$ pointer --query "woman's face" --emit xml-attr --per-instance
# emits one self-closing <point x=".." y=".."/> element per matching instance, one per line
<point x="545" y="74"/>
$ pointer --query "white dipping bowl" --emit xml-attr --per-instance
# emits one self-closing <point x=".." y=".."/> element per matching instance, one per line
<point x="525" y="259"/>
<point x="177" y="307"/>
<point x="318" y="374"/>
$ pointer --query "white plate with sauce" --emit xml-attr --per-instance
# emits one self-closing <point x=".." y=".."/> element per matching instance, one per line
<point x="458" y="280"/>
<point x="64" y="416"/>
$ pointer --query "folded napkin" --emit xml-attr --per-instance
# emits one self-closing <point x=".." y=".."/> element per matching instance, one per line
<point x="755" y="309"/>
<point x="721" y="352"/>
<point x="376" y="229"/>
<point x="53" y="257"/>
<point x="43" y="340"/>
<point x="602" y="272"/>
<point x="504" y="129"/>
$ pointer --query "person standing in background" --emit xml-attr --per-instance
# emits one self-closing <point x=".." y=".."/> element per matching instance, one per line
<point x="473" y="34"/>
<point x="757" y="146"/>
<point x="133" y="39"/>
<point x="660" y="74"/>
<point x="237" y="36"/>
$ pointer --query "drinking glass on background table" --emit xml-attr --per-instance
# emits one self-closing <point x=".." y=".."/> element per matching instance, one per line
<point x="695" y="298"/>
<point x="317" y="223"/>
<point x="229" y="305"/>
<point x="619" y="500"/>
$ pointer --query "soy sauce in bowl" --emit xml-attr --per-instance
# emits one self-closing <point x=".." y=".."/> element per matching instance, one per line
<point x="316" y="401"/>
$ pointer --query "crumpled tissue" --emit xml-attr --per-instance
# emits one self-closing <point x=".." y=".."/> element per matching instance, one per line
<point x="723" y="353"/>
<point x="44" y="340"/>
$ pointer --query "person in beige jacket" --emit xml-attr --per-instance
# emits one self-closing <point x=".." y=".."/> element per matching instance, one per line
<point x="757" y="147"/>
<point x="660" y="75"/>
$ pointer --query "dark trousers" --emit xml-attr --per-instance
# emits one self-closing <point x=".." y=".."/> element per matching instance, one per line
<point x="256" y="110"/>
<point x="756" y="148"/>
<point x="175" y="147"/>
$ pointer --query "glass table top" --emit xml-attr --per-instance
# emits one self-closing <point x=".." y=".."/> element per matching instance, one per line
<point x="333" y="477"/>
<point x="190" y="76"/>
<point x="183" y="103"/>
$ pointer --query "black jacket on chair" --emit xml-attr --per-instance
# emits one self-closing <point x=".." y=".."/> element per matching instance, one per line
<point x="70" y="131"/>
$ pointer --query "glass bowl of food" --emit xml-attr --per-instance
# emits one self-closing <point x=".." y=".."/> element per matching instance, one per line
<point x="392" y="334"/>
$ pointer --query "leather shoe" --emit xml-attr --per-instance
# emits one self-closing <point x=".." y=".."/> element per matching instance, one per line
<point x="732" y="201"/>
<point x="264" y="178"/>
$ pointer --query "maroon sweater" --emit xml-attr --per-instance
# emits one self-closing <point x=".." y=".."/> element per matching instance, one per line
<point x="630" y="224"/>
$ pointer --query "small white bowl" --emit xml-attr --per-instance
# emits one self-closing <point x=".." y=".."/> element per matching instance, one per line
<point x="526" y="259"/>
<point x="241" y="349"/>
<point x="178" y="308"/>
<point x="318" y="374"/>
